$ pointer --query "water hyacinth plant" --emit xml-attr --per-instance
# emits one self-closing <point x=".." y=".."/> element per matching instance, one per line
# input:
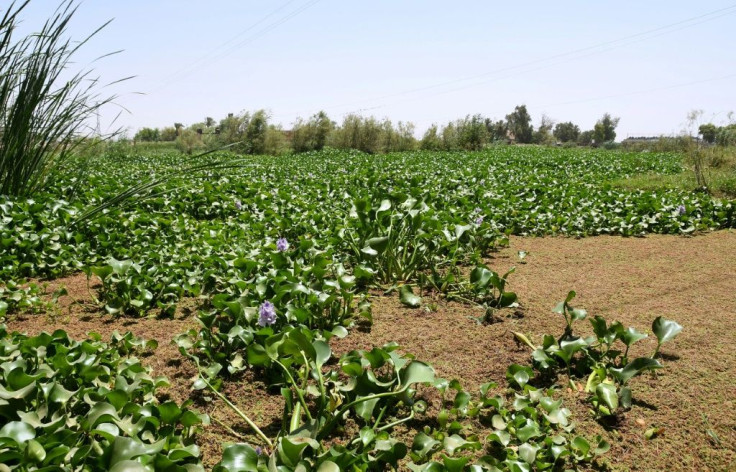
<point x="266" y="314"/>
<point x="282" y="245"/>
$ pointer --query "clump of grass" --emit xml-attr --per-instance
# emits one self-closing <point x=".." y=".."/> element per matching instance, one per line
<point x="716" y="169"/>
<point x="43" y="113"/>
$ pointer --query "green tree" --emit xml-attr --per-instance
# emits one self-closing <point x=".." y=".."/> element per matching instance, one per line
<point x="231" y="128"/>
<point x="586" y="138"/>
<point x="189" y="141"/>
<point x="168" y="134"/>
<point x="431" y="141"/>
<point x="543" y="134"/>
<point x="255" y="133"/>
<point x="708" y="131"/>
<point x="473" y="133"/>
<point x="605" y="129"/>
<point x="497" y="130"/>
<point x="726" y="135"/>
<point x="567" y="132"/>
<point x="147" y="134"/>
<point x="520" y="124"/>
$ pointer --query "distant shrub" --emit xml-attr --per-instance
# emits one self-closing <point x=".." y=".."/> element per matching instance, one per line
<point x="275" y="143"/>
<point x="372" y="136"/>
<point x="431" y="141"/>
<point x="189" y="141"/>
<point x="147" y="135"/>
<point x="726" y="136"/>
<point x="311" y="135"/>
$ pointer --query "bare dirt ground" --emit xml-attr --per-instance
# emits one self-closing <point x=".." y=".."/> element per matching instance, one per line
<point x="690" y="280"/>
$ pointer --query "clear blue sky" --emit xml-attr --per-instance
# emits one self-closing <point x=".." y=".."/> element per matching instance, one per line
<point x="424" y="61"/>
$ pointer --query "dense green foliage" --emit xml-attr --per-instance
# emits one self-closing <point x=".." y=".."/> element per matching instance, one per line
<point x="70" y="405"/>
<point x="280" y="252"/>
<point x="431" y="208"/>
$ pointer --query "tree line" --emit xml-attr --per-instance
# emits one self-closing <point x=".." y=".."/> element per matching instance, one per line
<point x="252" y="133"/>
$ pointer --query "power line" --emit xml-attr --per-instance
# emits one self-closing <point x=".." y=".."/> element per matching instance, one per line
<point x="551" y="60"/>
<point x="226" y="43"/>
<point x="210" y="58"/>
<point x="639" y="92"/>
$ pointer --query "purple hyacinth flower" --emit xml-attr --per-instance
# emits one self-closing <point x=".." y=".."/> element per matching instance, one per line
<point x="259" y="451"/>
<point x="282" y="244"/>
<point x="267" y="314"/>
<point x="238" y="205"/>
<point x="479" y="220"/>
<point x="681" y="209"/>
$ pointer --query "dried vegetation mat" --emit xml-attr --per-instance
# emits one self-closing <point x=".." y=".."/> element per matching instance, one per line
<point x="682" y="419"/>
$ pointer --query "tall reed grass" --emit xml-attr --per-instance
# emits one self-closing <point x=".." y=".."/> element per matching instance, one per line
<point x="45" y="111"/>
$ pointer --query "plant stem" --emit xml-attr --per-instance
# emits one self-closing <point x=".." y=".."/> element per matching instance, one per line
<point x="229" y="429"/>
<point x="397" y="422"/>
<point x="328" y="427"/>
<point x="237" y="410"/>
<point x="298" y="390"/>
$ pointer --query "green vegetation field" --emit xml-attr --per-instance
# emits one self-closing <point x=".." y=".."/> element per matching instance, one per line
<point x="280" y="259"/>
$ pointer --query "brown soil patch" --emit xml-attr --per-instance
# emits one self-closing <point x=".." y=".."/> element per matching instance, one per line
<point x="690" y="280"/>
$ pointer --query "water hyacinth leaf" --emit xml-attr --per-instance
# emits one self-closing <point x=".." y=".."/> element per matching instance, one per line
<point x="457" y="443"/>
<point x="367" y="435"/>
<point x="365" y="409"/>
<point x="578" y="314"/>
<point x="541" y="359"/>
<point x="480" y="277"/>
<point x="428" y="467"/>
<point x="635" y="367"/>
<point x="631" y="336"/>
<point x="417" y="372"/>
<point x="454" y="464"/>
<point x="602" y="447"/>
<point x="390" y="451"/>
<point x="519" y="374"/>
<point x="18" y="431"/>
<point x="291" y="448"/>
<point x="501" y="437"/>
<point x="128" y="448"/>
<point x="607" y="393"/>
<point x="424" y="445"/>
<point x="600" y="327"/>
<point x="328" y="466"/>
<point x="238" y="458"/>
<point x="516" y="466"/>
<point x="665" y="330"/>
<point x="130" y="466"/>
<point x="559" y="451"/>
<point x="322" y="351"/>
<point x="528" y="453"/>
<point x="378" y="244"/>
<point x="498" y="422"/>
<point x="169" y="412"/>
<point x="507" y="299"/>
<point x="407" y="297"/>
<point x="528" y="431"/>
<point x="558" y="416"/>
<point x="625" y="397"/>
<point x="549" y="405"/>
<point x="35" y="451"/>
<point x="580" y="445"/>
<point x="257" y="355"/>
